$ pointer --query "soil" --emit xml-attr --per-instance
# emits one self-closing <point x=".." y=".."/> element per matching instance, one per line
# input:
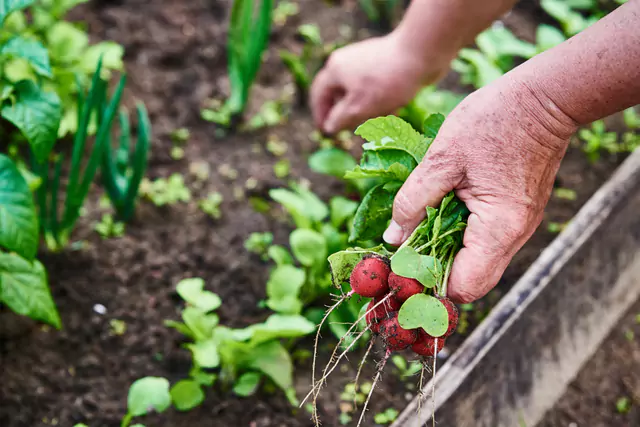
<point x="176" y="60"/>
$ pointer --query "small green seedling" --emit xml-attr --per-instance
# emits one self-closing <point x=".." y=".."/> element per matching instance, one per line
<point x="147" y="395"/>
<point x="228" y="172"/>
<point x="258" y="243"/>
<point x="386" y="417"/>
<point x="177" y="153"/>
<point x="180" y="136"/>
<point x="565" y="194"/>
<point x="211" y="205"/>
<point x="282" y="168"/>
<point x="623" y="405"/>
<point x="249" y="30"/>
<point x="406" y="369"/>
<point x="108" y="227"/>
<point x="163" y="192"/>
<point x="276" y="146"/>
<point x="123" y="173"/>
<point x="118" y="327"/>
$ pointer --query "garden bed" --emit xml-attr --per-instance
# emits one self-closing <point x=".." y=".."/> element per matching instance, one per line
<point x="175" y="57"/>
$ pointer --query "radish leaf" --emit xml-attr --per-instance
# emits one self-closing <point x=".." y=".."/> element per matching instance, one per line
<point x="308" y="246"/>
<point x="147" y="394"/>
<point x="426" y="312"/>
<point x="409" y="263"/>
<point x="392" y="133"/>
<point x="186" y="394"/>
<point x="373" y="214"/>
<point x="191" y="290"/>
<point x="283" y="288"/>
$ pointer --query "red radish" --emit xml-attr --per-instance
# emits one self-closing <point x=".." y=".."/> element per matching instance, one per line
<point x="425" y="343"/>
<point x="378" y="314"/>
<point x="395" y="336"/>
<point x="370" y="277"/>
<point x="453" y="315"/>
<point x="404" y="287"/>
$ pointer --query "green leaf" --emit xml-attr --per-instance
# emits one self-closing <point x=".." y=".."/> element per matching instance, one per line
<point x="186" y="394"/>
<point x="24" y="289"/>
<point x="201" y="377"/>
<point x="432" y="125"/>
<point x="485" y="71"/>
<point x="342" y="263"/>
<point x="426" y="312"/>
<point x="148" y="394"/>
<point x="388" y="164"/>
<point x="8" y="6"/>
<point x="37" y="114"/>
<point x="272" y="359"/>
<point x="32" y="51"/>
<point x="280" y="326"/>
<point x="192" y="291"/>
<point x="18" y="218"/>
<point x="341" y="209"/>
<point x="283" y="288"/>
<point x="373" y="214"/>
<point x="111" y="53"/>
<point x="392" y="133"/>
<point x="205" y="353"/>
<point x="497" y="42"/>
<point x="311" y="33"/>
<point x="304" y="207"/>
<point x="332" y="161"/>
<point x="66" y="43"/>
<point x="279" y="255"/>
<point x="308" y="246"/>
<point x="548" y="37"/>
<point x="406" y="262"/>
<point x="199" y="323"/>
<point x="247" y="384"/>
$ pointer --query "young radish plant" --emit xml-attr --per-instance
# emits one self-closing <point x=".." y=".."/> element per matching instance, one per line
<point x="409" y="308"/>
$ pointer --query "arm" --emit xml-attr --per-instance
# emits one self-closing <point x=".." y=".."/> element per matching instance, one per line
<point x="380" y="75"/>
<point x="501" y="148"/>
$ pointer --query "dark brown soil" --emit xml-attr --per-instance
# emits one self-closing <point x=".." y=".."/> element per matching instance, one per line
<point x="175" y="56"/>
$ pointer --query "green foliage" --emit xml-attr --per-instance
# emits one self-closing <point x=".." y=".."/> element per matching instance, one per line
<point x="146" y="395"/>
<point x="426" y="312"/>
<point x="382" y="12"/>
<point x="258" y="243"/>
<point x="167" y="191"/>
<point x="623" y="405"/>
<point x="406" y="369"/>
<point x="107" y="227"/>
<point x="429" y="101"/>
<point x="284" y="10"/>
<point x="58" y="230"/>
<point x="386" y="417"/>
<point x="249" y="30"/>
<point x="211" y="205"/>
<point x="568" y="15"/>
<point x="597" y="139"/>
<point x="122" y="173"/>
<point x="331" y="161"/>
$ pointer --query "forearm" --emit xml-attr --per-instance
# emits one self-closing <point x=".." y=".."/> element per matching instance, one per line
<point x="593" y="74"/>
<point x="445" y="26"/>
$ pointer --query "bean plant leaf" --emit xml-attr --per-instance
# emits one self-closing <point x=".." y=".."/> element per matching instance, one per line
<point x="341" y="209"/>
<point x="31" y="50"/>
<point x="37" y="114"/>
<point x="373" y="214"/>
<point x="18" y="218"/>
<point x="432" y="125"/>
<point x="283" y="288"/>
<point x="205" y="353"/>
<point x="186" y="394"/>
<point x="247" y="384"/>
<point x="426" y="312"/>
<point x="406" y="262"/>
<point x="308" y="246"/>
<point x="343" y="262"/>
<point x="272" y="359"/>
<point x="8" y="6"/>
<point x="331" y="161"/>
<point x="24" y="289"/>
<point x="392" y="133"/>
<point x="192" y="291"/>
<point x="148" y="394"/>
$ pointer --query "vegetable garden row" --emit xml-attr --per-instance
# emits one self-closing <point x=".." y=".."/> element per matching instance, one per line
<point x="176" y="228"/>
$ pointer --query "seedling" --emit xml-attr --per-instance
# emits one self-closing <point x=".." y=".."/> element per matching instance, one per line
<point x="180" y="135"/>
<point x="166" y="191"/>
<point x="386" y="417"/>
<point x="258" y="243"/>
<point x="249" y="30"/>
<point x="283" y="11"/>
<point x="107" y="227"/>
<point x="122" y="173"/>
<point x="276" y="146"/>
<point x="623" y="405"/>
<point x="384" y="13"/>
<point x="565" y="194"/>
<point x="211" y="205"/>
<point x="282" y="168"/>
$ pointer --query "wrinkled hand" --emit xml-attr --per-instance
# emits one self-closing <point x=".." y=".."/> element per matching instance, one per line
<point x="368" y="79"/>
<point x="500" y="149"/>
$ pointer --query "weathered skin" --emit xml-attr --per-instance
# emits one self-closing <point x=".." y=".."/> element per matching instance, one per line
<point x="501" y="148"/>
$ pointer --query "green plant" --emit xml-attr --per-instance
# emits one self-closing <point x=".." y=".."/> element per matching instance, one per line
<point x="165" y="191"/>
<point x="211" y="205"/>
<point x="249" y="30"/>
<point x="241" y="357"/>
<point x="146" y="395"/>
<point x="386" y="417"/>
<point x="57" y="230"/>
<point x="567" y="13"/>
<point x="381" y="12"/>
<point x="597" y="139"/>
<point x="123" y="173"/>
<point x="623" y="405"/>
<point x="430" y="100"/>
<point x="107" y="227"/>
<point x="284" y="10"/>
<point x="259" y="243"/>
<point x="405" y="369"/>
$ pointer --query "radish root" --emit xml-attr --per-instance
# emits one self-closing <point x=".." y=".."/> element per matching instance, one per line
<point x="355" y="382"/>
<point x="373" y="385"/>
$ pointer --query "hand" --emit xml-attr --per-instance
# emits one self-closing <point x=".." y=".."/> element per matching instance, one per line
<point x="368" y="79"/>
<point x="500" y="150"/>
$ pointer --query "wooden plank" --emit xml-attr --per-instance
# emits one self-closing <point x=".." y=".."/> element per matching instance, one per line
<point x="518" y="362"/>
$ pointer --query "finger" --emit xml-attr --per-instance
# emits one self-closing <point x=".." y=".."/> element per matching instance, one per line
<point x="488" y="248"/>
<point x="426" y="186"/>
<point x="345" y="114"/>
<point x="323" y="93"/>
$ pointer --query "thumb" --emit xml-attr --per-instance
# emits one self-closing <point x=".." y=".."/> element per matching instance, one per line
<point x="426" y="186"/>
<point x="344" y="114"/>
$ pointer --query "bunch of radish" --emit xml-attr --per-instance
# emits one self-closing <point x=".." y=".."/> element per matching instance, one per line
<point x="372" y="278"/>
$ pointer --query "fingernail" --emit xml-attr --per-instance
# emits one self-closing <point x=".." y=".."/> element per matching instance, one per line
<point x="393" y="234"/>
